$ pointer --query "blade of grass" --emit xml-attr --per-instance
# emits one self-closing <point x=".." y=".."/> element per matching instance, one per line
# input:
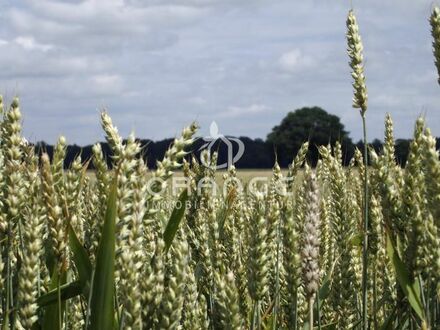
<point x="68" y="290"/>
<point x="81" y="260"/>
<point x="410" y="288"/>
<point x="102" y="302"/>
<point x="322" y="295"/>
<point x="175" y="219"/>
<point x="53" y="313"/>
<point x="75" y="288"/>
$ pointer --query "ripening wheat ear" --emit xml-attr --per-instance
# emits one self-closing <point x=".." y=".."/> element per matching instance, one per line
<point x="258" y="255"/>
<point x="112" y="136"/>
<point x="227" y="296"/>
<point x="310" y="246"/>
<point x="132" y="257"/>
<point x="56" y="228"/>
<point x="174" y="155"/>
<point x="29" y="272"/>
<point x="194" y="314"/>
<point x="342" y="299"/>
<point x="291" y="265"/>
<point x="432" y="177"/>
<point x="172" y="302"/>
<point x="152" y="284"/>
<point x="171" y="162"/>
<point x="73" y="190"/>
<point x="355" y="48"/>
<point x="435" y="31"/>
<point x="296" y="164"/>
<point x="101" y="187"/>
<point x="13" y="154"/>
<point x="126" y="273"/>
<point x="3" y="222"/>
<point x="58" y="164"/>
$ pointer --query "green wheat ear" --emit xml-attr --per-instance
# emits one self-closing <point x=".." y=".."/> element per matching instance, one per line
<point x="435" y="32"/>
<point x="354" y="49"/>
<point x="360" y="97"/>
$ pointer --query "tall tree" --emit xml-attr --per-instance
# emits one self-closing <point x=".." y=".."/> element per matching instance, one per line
<point x="311" y="124"/>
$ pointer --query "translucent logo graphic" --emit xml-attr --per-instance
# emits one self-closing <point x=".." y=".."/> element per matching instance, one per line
<point x="228" y="141"/>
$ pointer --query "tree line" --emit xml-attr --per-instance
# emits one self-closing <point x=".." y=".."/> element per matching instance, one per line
<point x="311" y="124"/>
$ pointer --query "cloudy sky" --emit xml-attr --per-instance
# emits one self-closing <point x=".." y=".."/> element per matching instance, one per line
<point x="156" y="65"/>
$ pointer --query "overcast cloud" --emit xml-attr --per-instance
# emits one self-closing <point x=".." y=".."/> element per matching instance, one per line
<point x="156" y="65"/>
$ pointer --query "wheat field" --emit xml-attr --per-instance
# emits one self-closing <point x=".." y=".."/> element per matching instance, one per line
<point x="126" y="247"/>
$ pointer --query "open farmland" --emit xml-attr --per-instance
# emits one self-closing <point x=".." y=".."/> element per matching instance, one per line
<point x="331" y="247"/>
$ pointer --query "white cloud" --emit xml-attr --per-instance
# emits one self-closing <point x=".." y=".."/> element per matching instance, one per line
<point x="29" y="43"/>
<point x="241" y="111"/>
<point x="294" y="60"/>
<point x="107" y="84"/>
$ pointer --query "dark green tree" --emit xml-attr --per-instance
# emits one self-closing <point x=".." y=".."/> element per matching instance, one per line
<point x="311" y="124"/>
